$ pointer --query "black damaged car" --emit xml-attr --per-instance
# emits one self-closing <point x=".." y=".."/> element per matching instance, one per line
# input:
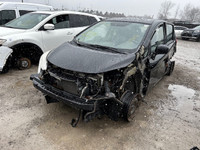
<point x="108" y="68"/>
<point x="193" y="34"/>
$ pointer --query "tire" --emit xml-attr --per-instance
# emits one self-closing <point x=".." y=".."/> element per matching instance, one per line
<point x="130" y="104"/>
<point x="23" y="63"/>
<point x="170" y="68"/>
<point x="184" y="38"/>
<point x="198" y="39"/>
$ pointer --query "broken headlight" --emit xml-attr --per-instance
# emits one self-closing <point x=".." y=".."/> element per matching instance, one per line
<point x="43" y="62"/>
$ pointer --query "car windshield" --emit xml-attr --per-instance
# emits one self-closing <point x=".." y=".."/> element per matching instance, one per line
<point x="122" y="36"/>
<point x="197" y="28"/>
<point x="27" y="21"/>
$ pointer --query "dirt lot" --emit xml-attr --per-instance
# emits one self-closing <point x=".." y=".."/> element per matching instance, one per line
<point x="169" y="120"/>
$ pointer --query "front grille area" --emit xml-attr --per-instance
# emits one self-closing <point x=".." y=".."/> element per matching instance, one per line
<point x="187" y="33"/>
<point x="72" y="82"/>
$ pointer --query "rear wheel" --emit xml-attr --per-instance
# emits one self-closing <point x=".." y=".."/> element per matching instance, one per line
<point x="170" y="68"/>
<point x="23" y="63"/>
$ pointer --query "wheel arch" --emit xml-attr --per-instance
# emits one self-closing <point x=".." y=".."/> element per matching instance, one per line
<point x="27" y="49"/>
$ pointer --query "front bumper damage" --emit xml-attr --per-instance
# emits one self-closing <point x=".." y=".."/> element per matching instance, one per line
<point x="5" y="52"/>
<point x="90" y="108"/>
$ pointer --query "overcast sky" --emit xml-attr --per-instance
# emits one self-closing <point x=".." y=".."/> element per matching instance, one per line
<point x="129" y="7"/>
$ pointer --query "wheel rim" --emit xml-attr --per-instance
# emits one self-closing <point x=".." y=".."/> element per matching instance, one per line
<point x="24" y="64"/>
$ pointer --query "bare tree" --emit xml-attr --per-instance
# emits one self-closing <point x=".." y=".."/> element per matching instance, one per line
<point x="190" y="13"/>
<point x="164" y="12"/>
<point x="177" y="12"/>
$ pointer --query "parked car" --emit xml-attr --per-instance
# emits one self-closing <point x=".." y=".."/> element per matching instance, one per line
<point x="23" y="40"/>
<point x="179" y="30"/>
<point x="187" y="24"/>
<point x="12" y="10"/>
<point x="191" y="34"/>
<point x="108" y="68"/>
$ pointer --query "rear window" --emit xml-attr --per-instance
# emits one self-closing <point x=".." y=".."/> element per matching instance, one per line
<point x="6" y="16"/>
<point x="92" y="20"/>
<point x="78" y="21"/>
<point x="23" y="12"/>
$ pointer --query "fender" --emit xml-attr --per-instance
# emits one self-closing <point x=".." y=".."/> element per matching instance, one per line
<point x="27" y="37"/>
<point x="5" y="52"/>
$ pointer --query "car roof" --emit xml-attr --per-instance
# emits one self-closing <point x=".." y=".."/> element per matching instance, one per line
<point x="25" y="4"/>
<point x="64" y="12"/>
<point x="180" y="26"/>
<point x="139" y="20"/>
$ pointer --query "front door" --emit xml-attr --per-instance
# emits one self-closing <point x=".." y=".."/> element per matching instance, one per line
<point x="62" y="32"/>
<point x="157" y="62"/>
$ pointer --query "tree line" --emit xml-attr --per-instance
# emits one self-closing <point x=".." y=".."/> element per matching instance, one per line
<point x="188" y="13"/>
<point x="106" y="14"/>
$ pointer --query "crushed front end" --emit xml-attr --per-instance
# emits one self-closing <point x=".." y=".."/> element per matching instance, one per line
<point x="93" y="94"/>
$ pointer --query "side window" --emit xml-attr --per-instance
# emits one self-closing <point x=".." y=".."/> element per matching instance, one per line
<point x="92" y="20"/>
<point x="23" y="12"/>
<point x="169" y="32"/>
<point x="60" y="22"/>
<point x="6" y="16"/>
<point x="158" y="38"/>
<point x="78" y="21"/>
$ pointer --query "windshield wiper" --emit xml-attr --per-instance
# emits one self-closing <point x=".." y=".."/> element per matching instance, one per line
<point x="111" y="49"/>
<point x="82" y="44"/>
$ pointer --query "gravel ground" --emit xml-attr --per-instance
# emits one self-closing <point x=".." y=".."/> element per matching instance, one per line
<point x="169" y="120"/>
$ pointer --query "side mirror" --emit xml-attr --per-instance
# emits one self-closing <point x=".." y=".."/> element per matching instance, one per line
<point x="162" y="49"/>
<point x="49" y="26"/>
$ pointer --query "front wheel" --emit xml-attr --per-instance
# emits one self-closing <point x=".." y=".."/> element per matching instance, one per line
<point x="23" y="63"/>
<point x="130" y="104"/>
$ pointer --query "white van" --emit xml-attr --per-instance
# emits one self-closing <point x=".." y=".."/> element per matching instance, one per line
<point x="12" y="10"/>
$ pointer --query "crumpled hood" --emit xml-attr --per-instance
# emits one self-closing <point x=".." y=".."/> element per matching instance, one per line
<point x="8" y="31"/>
<point x="86" y="60"/>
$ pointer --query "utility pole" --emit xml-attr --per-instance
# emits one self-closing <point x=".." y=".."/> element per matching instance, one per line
<point x="22" y="1"/>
